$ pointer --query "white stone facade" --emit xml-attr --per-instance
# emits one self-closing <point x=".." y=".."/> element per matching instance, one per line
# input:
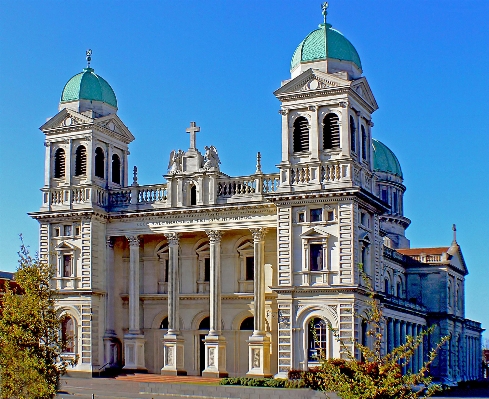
<point x="165" y="277"/>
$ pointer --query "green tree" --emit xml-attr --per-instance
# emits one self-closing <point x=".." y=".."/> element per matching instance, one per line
<point x="377" y="375"/>
<point x="30" y="343"/>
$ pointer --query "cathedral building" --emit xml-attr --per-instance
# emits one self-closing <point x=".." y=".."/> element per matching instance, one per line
<point x="214" y="275"/>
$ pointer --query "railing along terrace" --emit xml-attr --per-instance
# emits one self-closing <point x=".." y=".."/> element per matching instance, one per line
<point x="69" y="196"/>
<point x="138" y="195"/>
<point x="228" y="187"/>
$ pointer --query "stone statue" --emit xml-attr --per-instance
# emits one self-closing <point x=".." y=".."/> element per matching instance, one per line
<point x="211" y="158"/>
<point x="175" y="164"/>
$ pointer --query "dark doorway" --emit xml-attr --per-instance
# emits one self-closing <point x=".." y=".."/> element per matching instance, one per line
<point x="202" y="353"/>
<point x="203" y="331"/>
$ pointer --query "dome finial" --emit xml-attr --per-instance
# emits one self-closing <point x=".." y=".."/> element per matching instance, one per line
<point x="324" y="7"/>
<point x="454" y="228"/>
<point x="89" y="57"/>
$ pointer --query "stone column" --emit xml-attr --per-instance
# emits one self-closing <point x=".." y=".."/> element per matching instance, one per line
<point x="259" y="343"/>
<point x="215" y="344"/>
<point x="409" y="332"/>
<point x="134" y="339"/>
<point x="173" y="343"/>
<point x="403" y="341"/>
<point x="390" y="335"/>
<point x="420" y="349"/>
<point x="110" y="337"/>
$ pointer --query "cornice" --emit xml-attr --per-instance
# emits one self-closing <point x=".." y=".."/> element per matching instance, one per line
<point x="67" y="214"/>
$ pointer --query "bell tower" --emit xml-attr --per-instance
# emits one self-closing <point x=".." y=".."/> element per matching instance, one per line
<point x="86" y="144"/>
<point x="326" y="110"/>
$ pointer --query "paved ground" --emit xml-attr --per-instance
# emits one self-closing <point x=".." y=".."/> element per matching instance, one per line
<point x="128" y="387"/>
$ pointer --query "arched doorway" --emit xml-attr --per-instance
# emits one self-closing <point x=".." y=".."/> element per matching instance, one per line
<point x="203" y="331"/>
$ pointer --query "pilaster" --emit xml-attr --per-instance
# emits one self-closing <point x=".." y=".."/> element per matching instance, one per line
<point x="110" y="337"/>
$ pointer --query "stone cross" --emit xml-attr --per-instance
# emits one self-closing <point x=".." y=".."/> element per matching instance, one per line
<point x="192" y="130"/>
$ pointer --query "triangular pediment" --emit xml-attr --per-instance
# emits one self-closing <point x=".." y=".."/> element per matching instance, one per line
<point x="316" y="231"/>
<point x="65" y="246"/>
<point x="65" y="119"/>
<point x="68" y="120"/>
<point x="456" y="259"/>
<point x="363" y="90"/>
<point x="114" y="124"/>
<point x="311" y="80"/>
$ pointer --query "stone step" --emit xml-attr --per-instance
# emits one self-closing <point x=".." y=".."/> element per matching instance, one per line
<point x="167" y="379"/>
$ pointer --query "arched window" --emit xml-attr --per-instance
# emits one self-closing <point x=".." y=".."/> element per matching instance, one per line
<point x="248" y="324"/>
<point x="399" y="289"/>
<point x="301" y="134"/>
<point x="317" y="332"/>
<point x="193" y="195"/>
<point x="331" y="132"/>
<point x="386" y="286"/>
<point x="99" y="163"/>
<point x="364" y="143"/>
<point x="81" y="161"/>
<point x="205" y="324"/>
<point x="59" y="163"/>
<point x="164" y="324"/>
<point x="116" y="169"/>
<point x="68" y="334"/>
<point x="353" y="134"/>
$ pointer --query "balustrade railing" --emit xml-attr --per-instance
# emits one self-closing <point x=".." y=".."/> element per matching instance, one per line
<point x="151" y="194"/>
<point x="330" y="172"/>
<point x="228" y="187"/>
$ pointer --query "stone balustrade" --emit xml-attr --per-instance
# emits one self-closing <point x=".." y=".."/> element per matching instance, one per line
<point x="74" y="197"/>
<point x="325" y="173"/>
<point x="228" y="187"/>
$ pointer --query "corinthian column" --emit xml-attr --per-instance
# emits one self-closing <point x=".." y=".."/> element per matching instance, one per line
<point x="134" y="339"/>
<point x="215" y="344"/>
<point x="173" y="343"/>
<point x="259" y="343"/>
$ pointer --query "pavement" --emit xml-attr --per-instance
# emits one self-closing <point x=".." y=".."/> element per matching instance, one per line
<point x="127" y="386"/>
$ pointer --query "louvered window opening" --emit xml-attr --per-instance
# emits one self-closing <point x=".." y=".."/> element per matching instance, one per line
<point x="364" y="143"/>
<point x="99" y="163"/>
<point x="81" y="161"/>
<point x="331" y="132"/>
<point x="59" y="163"/>
<point x="353" y="134"/>
<point x="301" y="135"/>
<point x="116" y="169"/>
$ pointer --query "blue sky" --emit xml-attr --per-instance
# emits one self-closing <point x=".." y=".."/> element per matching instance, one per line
<point x="218" y="62"/>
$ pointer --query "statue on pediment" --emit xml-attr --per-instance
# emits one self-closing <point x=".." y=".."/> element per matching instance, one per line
<point x="175" y="163"/>
<point x="211" y="159"/>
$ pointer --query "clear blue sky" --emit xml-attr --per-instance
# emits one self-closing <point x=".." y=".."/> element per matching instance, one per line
<point x="218" y="62"/>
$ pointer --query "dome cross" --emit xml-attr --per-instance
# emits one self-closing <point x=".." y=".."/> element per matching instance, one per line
<point x="88" y="53"/>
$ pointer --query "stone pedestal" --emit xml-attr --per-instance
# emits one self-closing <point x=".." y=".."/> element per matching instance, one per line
<point x="215" y="357"/>
<point x="259" y="357"/>
<point x="111" y="350"/>
<point x="173" y="345"/>
<point x="134" y="352"/>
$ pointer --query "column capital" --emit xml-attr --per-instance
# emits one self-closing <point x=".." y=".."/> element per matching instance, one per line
<point x="283" y="112"/>
<point x="134" y="241"/>
<point x="214" y="235"/>
<point x="259" y="234"/>
<point x="172" y="238"/>
<point x="109" y="241"/>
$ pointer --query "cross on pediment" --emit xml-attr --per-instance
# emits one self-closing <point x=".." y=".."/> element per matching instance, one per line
<point x="192" y="130"/>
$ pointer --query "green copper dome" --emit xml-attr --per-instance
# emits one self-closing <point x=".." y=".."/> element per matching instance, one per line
<point x="87" y="85"/>
<point x="313" y="47"/>
<point x="385" y="160"/>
